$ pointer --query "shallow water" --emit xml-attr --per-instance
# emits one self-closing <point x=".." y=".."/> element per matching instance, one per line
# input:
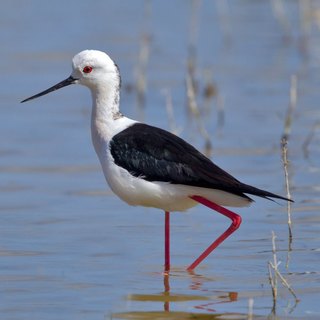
<point x="69" y="248"/>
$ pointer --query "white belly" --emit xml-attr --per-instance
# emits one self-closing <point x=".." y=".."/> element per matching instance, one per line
<point x="162" y="195"/>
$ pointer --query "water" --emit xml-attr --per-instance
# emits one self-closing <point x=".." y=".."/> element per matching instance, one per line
<point x="69" y="248"/>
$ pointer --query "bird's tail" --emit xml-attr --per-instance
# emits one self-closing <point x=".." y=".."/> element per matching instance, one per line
<point x="245" y="188"/>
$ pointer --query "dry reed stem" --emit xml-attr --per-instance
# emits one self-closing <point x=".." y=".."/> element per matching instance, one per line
<point x="191" y="95"/>
<point x="284" y="148"/>
<point x="272" y="277"/>
<point x="273" y="288"/>
<point x="284" y="152"/>
<point x="280" y="13"/>
<point x="169" y="108"/>
<point x="141" y="72"/>
<point x="192" y="104"/>
<point x="275" y="274"/>
<point x="291" y="107"/>
<point x="191" y="63"/>
<point x="220" y="113"/>
<point x="287" y="285"/>
<point x="210" y="91"/>
<point x="194" y="109"/>
<point x="250" y="309"/>
<point x="191" y="84"/>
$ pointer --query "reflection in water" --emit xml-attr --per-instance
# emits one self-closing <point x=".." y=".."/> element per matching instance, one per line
<point x="222" y="297"/>
<point x="201" y="302"/>
<point x="166" y="291"/>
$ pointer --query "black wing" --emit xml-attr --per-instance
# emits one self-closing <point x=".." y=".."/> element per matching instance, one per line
<point x="154" y="154"/>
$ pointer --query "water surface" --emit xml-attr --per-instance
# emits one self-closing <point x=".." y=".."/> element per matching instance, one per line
<point x="69" y="248"/>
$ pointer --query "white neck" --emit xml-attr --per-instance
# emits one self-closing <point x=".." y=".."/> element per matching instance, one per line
<point x="105" y="103"/>
<point x="106" y="119"/>
<point x="105" y="111"/>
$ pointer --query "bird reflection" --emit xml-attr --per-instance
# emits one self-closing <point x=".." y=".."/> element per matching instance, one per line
<point x="200" y="300"/>
<point x="196" y="284"/>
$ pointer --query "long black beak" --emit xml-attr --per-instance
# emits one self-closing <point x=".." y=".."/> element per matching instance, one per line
<point x="59" y="85"/>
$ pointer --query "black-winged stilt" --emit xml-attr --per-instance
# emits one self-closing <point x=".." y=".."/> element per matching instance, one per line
<point x="148" y="166"/>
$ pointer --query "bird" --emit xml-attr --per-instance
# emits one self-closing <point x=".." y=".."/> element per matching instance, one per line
<point x="148" y="166"/>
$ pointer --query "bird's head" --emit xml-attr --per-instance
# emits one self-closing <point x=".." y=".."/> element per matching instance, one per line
<point x="91" y="68"/>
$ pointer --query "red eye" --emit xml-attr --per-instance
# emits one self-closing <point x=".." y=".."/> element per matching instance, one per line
<point x="87" y="69"/>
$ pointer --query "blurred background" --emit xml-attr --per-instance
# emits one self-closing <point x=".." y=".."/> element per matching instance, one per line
<point x="234" y="78"/>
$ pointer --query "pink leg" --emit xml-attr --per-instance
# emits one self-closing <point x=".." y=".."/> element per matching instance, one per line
<point x="236" y="221"/>
<point x="167" y="242"/>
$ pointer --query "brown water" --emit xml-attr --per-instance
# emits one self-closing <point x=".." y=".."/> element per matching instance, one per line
<point x="69" y="248"/>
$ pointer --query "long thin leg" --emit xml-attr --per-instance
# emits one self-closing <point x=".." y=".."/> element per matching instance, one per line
<point x="236" y="221"/>
<point x="167" y="242"/>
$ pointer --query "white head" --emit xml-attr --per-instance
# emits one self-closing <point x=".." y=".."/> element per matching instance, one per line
<point x="91" y="68"/>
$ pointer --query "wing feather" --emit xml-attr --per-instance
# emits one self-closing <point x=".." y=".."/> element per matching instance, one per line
<point x="154" y="154"/>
